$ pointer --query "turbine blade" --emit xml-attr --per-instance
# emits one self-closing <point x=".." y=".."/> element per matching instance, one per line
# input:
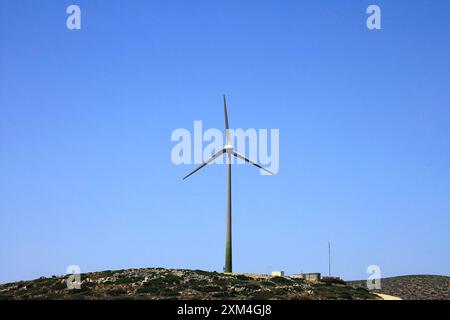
<point x="227" y="129"/>
<point x="214" y="157"/>
<point x="240" y="156"/>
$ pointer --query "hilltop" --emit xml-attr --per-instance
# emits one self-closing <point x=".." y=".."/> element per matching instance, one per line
<point x="159" y="283"/>
<point x="414" y="287"/>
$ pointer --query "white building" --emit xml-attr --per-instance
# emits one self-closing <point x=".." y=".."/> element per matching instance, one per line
<point x="307" y="276"/>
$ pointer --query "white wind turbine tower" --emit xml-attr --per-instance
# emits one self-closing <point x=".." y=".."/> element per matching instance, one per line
<point x="229" y="150"/>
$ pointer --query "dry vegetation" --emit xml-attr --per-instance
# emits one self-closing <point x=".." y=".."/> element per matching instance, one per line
<point x="158" y="283"/>
<point x="417" y="287"/>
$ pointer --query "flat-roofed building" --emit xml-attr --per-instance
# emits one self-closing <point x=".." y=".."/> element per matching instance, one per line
<point x="315" y="276"/>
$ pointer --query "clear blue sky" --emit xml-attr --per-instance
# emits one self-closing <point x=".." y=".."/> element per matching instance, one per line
<point x="86" y="118"/>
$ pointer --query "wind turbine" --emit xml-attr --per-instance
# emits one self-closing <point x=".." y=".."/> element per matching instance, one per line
<point x="229" y="150"/>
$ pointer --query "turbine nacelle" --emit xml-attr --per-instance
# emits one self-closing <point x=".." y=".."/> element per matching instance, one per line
<point x="228" y="148"/>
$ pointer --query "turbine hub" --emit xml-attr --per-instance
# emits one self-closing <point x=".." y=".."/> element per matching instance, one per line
<point x="228" y="148"/>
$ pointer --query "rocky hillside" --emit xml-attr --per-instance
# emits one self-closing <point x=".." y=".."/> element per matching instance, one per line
<point x="158" y="283"/>
<point x="418" y="287"/>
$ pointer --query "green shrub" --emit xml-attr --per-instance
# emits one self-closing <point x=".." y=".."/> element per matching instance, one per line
<point x="262" y="295"/>
<point x="147" y="289"/>
<point x="207" y="288"/>
<point x="117" y="292"/>
<point x="171" y="278"/>
<point x="83" y="290"/>
<point x="197" y="283"/>
<point x="60" y="285"/>
<point x="281" y="280"/>
<point x="221" y="294"/>
<point x="169" y="293"/>
<point x="252" y="286"/>
<point x="267" y="283"/>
